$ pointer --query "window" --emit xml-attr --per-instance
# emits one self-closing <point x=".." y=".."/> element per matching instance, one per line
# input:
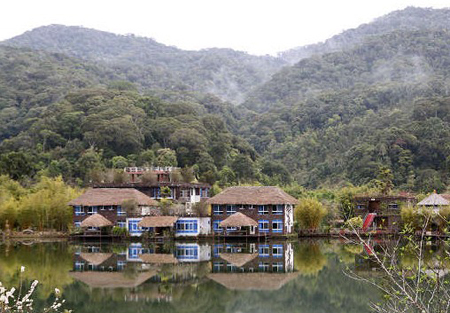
<point x="120" y="265"/>
<point x="187" y="252"/>
<point x="360" y="207"/>
<point x="108" y="207"/>
<point x="393" y="206"/>
<point x="231" y="267"/>
<point x="78" y="211"/>
<point x="277" y="267"/>
<point x="262" y="209"/>
<point x="134" y="250"/>
<point x="278" y="209"/>
<point x="217" y="266"/>
<point x="206" y="193"/>
<point x="184" y="193"/>
<point x="263" y="250"/>
<point x="77" y="224"/>
<point x="121" y="211"/>
<point x="92" y="210"/>
<point x="79" y="266"/>
<point x="133" y="226"/>
<point x="217" y="209"/>
<point x="231" y="229"/>
<point x="122" y="224"/>
<point x="217" y="249"/>
<point x="216" y="226"/>
<point x="263" y="226"/>
<point x="277" y="251"/>
<point x="186" y="226"/>
<point x="263" y="267"/>
<point x="231" y="209"/>
<point x="277" y="226"/>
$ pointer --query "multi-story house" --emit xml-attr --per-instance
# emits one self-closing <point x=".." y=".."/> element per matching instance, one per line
<point x="108" y="202"/>
<point x="252" y="211"/>
<point x="381" y="212"/>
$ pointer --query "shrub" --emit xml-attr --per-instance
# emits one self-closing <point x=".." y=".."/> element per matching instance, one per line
<point x="310" y="213"/>
<point x="119" y="231"/>
<point x="354" y="222"/>
<point x="411" y="218"/>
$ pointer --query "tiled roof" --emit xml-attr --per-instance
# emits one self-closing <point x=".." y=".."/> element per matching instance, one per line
<point x="262" y="195"/>
<point x="112" y="196"/>
<point x="158" y="221"/>
<point x="238" y="220"/>
<point x="96" y="220"/>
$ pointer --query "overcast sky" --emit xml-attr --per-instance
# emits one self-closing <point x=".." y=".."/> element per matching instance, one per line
<point x="255" y="26"/>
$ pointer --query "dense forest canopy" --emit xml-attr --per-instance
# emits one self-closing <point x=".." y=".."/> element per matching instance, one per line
<point x="74" y="101"/>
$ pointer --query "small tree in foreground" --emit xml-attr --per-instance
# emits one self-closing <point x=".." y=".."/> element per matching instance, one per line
<point x="310" y="213"/>
<point x="412" y="279"/>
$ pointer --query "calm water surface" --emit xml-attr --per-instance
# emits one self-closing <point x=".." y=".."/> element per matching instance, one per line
<point x="305" y="276"/>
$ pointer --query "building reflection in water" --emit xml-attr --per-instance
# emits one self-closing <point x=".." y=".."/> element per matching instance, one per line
<point x="259" y="266"/>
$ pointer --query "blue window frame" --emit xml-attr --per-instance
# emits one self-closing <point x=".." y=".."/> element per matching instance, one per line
<point x="231" y="209"/>
<point x="263" y="210"/>
<point x="121" y="224"/>
<point x="263" y="251"/>
<point x="186" y="227"/>
<point x="79" y="266"/>
<point x="278" y="209"/>
<point x="263" y="226"/>
<point x="263" y="266"/>
<point x="133" y="227"/>
<point x="216" y="226"/>
<point x="277" y="251"/>
<point x="217" y="209"/>
<point x="217" y="266"/>
<point x="121" y="265"/>
<point x="121" y="211"/>
<point x="277" y="267"/>
<point x="217" y="249"/>
<point x="187" y="252"/>
<point x="78" y="211"/>
<point x="277" y="226"/>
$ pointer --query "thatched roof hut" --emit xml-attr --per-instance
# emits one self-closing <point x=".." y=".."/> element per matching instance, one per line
<point x="96" y="258"/>
<point x="238" y="219"/>
<point x="158" y="221"/>
<point x="238" y="259"/>
<point x="112" y="196"/>
<point x="112" y="279"/>
<point x="434" y="200"/>
<point x="253" y="281"/>
<point x="96" y="220"/>
<point x="158" y="258"/>
<point x="257" y="195"/>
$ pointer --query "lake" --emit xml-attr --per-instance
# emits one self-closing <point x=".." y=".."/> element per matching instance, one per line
<point x="302" y="276"/>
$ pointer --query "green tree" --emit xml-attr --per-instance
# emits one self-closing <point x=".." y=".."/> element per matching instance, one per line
<point x="309" y="213"/>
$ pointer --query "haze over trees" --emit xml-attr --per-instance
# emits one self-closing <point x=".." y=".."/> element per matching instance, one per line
<point x="74" y="101"/>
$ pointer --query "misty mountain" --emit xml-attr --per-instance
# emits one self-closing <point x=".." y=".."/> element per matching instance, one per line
<point x="226" y="73"/>
<point x="340" y="116"/>
<point x="411" y="18"/>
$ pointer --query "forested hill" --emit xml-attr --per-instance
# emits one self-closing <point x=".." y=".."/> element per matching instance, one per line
<point x="410" y="18"/>
<point x="339" y="117"/>
<point x="226" y="73"/>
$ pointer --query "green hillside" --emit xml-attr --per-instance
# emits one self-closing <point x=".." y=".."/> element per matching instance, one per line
<point x="339" y="117"/>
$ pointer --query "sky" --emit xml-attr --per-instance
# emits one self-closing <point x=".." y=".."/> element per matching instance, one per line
<point x="255" y="26"/>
